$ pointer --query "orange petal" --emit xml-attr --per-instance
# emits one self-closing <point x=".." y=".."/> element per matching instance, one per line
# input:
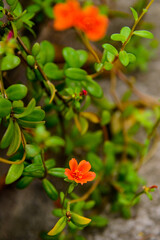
<point x="68" y="173"/>
<point x="84" y="166"/>
<point x="90" y="176"/>
<point x="73" y="164"/>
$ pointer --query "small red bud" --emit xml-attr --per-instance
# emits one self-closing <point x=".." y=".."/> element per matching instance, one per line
<point x="83" y="93"/>
<point x="154" y="186"/>
<point x="10" y="35"/>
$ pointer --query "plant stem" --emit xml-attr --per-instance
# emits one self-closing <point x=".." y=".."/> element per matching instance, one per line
<point x="87" y="194"/>
<point x="87" y="44"/>
<point x="1" y="80"/>
<point x="151" y="152"/>
<point x="135" y="24"/>
<point x="44" y="165"/>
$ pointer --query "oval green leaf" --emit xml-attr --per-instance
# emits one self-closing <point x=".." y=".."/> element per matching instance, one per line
<point x="15" y="171"/>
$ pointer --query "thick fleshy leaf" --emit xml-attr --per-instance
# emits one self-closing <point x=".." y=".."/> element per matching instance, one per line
<point x="58" y="228"/>
<point x="50" y="189"/>
<point x="143" y="33"/>
<point x="135" y="14"/>
<point x="5" y="107"/>
<point x="16" y="92"/>
<point x="16" y="140"/>
<point x="123" y="57"/>
<point x="28" y="110"/>
<point x="14" y="173"/>
<point x="7" y="137"/>
<point x="9" y="62"/>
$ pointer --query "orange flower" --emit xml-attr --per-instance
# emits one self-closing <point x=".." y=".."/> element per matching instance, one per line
<point x="79" y="172"/>
<point x="65" y="14"/>
<point x="92" y="23"/>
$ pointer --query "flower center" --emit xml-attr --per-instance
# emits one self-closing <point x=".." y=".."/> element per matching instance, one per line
<point x="77" y="174"/>
<point x="89" y="25"/>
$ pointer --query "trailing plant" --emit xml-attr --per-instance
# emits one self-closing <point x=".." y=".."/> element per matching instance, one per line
<point x="48" y="117"/>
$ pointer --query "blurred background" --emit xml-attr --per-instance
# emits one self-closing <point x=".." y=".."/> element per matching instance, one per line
<point x="25" y="213"/>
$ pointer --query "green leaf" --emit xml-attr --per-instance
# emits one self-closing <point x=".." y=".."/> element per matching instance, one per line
<point x="24" y="182"/>
<point x="31" y="60"/>
<point x="18" y="104"/>
<point x="52" y="71"/>
<point x="32" y="150"/>
<point x="9" y="62"/>
<point x="7" y="137"/>
<point x="29" y="124"/>
<point x="76" y="74"/>
<point x="28" y="110"/>
<point x="106" y="117"/>
<point x="16" y="92"/>
<point x="16" y="140"/>
<point x="58" y="228"/>
<point x="49" y="12"/>
<point x="34" y="174"/>
<point x="14" y="29"/>
<point x="50" y="163"/>
<point x="108" y="66"/>
<point x="110" y="49"/>
<point x="98" y="66"/>
<point x="75" y="59"/>
<point x="11" y="2"/>
<point x="123" y="57"/>
<point x="36" y="116"/>
<point x="54" y="141"/>
<point x="143" y="33"/>
<point x="50" y="189"/>
<point x="79" y="221"/>
<point x="71" y="57"/>
<point x="71" y="187"/>
<point x="93" y="88"/>
<point x="135" y="14"/>
<point x="52" y="90"/>
<point x="88" y="205"/>
<point x="99" y="221"/>
<point x="125" y="31"/>
<point x="57" y="212"/>
<point x="57" y="172"/>
<point x="5" y="107"/>
<point x="110" y="57"/>
<point x="84" y="125"/>
<point x="36" y="49"/>
<point x="83" y="56"/>
<point x="48" y="49"/>
<point x="118" y="37"/>
<point x="132" y="57"/>
<point x="95" y="161"/>
<point x="33" y="168"/>
<point x="15" y="171"/>
<point x="17" y="8"/>
<point x="13" y="7"/>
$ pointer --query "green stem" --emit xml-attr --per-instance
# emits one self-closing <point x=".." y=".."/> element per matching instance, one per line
<point x="135" y="24"/>
<point x="1" y="80"/>
<point x="44" y="165"/>
<point x="87" y="44"/>
<point x="87" y="194"/>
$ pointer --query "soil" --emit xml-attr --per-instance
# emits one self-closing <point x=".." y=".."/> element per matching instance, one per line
<point x="24" y="213"/>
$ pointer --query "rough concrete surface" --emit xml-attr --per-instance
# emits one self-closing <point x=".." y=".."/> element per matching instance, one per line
<point x="24" y="213"/>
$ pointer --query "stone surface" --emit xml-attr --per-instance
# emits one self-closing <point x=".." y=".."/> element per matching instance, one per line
<point x="24" y="213"/>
